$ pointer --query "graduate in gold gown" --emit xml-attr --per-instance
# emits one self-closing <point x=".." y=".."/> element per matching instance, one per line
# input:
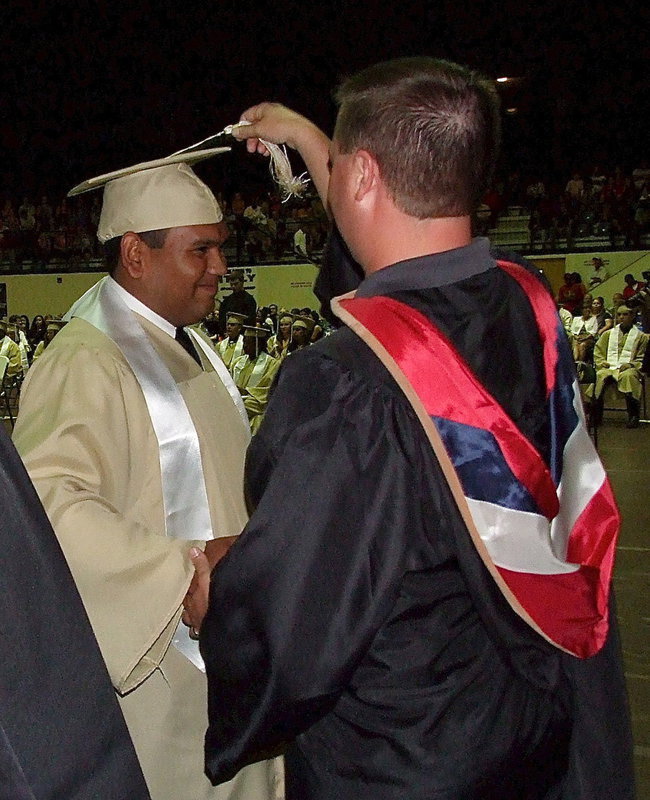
<point x="254" y="373"/>
<point x="134" y="436"/>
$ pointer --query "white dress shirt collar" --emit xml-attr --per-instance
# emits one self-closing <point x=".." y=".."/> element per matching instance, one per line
<point x="144" y="311"/>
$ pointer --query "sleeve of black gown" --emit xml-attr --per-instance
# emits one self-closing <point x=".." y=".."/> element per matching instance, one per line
<point x="294" y="605"/>
<point x="62" y="733"/>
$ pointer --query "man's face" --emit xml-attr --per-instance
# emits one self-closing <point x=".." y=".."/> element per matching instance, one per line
<point x="617" y="299"/>
<point x="299" y="335"/>
<point x="233" y="329"/>
<point x="236" y="284"/>
<point x="251" y="346"/>
<point x="625" y="319"/>
<point x="273" y="309"/>
<point x="185" y="273"/>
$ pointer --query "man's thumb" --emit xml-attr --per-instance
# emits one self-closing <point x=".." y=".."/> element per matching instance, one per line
<point x="200" y="561"/>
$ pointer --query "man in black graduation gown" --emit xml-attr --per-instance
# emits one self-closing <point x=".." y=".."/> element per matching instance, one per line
<point x="354" y="624"/>
<point x="62" y="734"/>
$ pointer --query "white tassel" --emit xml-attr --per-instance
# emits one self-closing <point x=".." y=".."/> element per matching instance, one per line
<point x="290" y="184"/>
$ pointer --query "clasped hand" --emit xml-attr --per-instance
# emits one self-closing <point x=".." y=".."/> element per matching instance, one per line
<point x="195" y="604"/>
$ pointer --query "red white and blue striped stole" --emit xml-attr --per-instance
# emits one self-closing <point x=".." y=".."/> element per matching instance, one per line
<point x="547" y="533"/>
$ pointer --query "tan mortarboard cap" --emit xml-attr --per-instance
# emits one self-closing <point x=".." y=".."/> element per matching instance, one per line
<point x="304" y="322"/>
<point x="55" y="324"/>
<point x="154" y="195"/>
<point x="254" y="331"/>
<point x="235" y="316"/>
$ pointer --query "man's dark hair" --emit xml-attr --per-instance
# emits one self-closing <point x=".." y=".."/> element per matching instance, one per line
<point x="433" y="127"/>
<point x="154" y="239"/>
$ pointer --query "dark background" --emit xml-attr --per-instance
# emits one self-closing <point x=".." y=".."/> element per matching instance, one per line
<point x="89" y="87"/>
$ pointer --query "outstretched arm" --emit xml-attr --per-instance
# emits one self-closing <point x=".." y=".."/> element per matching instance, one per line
<point x="278" y="124"/>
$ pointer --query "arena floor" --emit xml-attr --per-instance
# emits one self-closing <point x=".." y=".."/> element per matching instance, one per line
<point x="625" y="455"/>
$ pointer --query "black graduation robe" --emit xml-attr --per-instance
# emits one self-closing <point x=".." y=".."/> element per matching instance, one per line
<point x="354" y="623"/>
<point x="62" y="734"/>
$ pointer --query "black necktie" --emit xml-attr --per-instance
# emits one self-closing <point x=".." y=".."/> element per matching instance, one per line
<point x="185" y="342"/>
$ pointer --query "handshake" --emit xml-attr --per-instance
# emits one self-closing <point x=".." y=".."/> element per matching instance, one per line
<point x="195" y="604"/>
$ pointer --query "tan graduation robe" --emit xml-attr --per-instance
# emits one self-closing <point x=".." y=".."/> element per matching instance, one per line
<point x="254" y="379"/>
<point x="10" y="349"/>
<point x="88" y="444"/>
<point x="229" y="351"/>
<point x="627" y="381"/>
<point x="278" y="348"/>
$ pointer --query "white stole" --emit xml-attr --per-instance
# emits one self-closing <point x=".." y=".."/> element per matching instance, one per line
<point x="238" y="349"/>
<point x="614" y="358"/>
<point x="258" y="370"/>
<point x="589" y="326"/>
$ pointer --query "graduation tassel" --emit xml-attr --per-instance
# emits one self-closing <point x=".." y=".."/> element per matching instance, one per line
<point x="291" y="185"/>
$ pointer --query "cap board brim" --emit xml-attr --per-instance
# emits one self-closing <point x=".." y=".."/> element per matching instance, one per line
<point x="181" y="158"/>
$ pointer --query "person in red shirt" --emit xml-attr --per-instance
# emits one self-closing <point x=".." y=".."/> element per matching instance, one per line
<point x="632" y="286"/>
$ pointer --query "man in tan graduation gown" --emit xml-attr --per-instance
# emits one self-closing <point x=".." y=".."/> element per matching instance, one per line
<point x="618" y="357"/>
<point x="232" y="347"/>
<point x="10" y="349"/>
<point x="254" y="372"/>
<point x="87" y="434"/>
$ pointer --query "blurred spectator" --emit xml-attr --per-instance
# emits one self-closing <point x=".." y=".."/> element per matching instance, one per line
<point x="632" y="286"/>
<point x="301" y="331"/>
<point x="37" y="330"/>
<point x="583" y="333"/>
<point x="44" y="216"/>
<point x="53" y="327"/>
<point x="597" y="181"/>
<point x="604" y="319"/>
<point x="9" y="348"/>
<point x="240" y="301"/>
<point x="599" y="272"/>
<point x="574" y="191"/>
<point x="569" y="296"/>
<point x="26" y="215"/>
<point x="8" y="217"/>
<point x="535" y="191"/>
<point x="278" y="345"/>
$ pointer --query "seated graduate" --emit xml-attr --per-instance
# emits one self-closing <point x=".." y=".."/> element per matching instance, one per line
<point x="253" y="373"/>
<point x="618" y="358"/>
<point x="231" y="347"/>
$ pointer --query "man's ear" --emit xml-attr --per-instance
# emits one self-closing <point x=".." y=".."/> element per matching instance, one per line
<point x="133" y="255"/>
<point x="366" y="174"/>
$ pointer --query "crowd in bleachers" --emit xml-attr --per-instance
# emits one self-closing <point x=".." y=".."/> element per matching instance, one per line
<point x="262" y="228"/>
<point x="600" y="203"/>
<point x="612" y="204"/>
